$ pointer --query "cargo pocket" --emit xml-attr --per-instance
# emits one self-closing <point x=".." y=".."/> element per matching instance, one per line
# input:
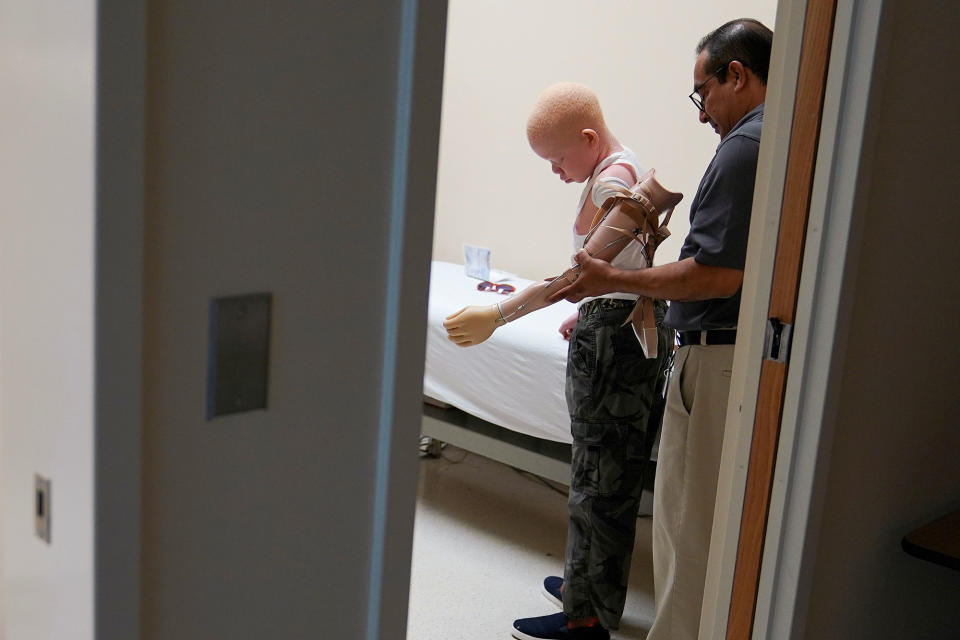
<point x="582" y="353"/>
<point x="584" y="469"/>
<point x="599" y="458"/>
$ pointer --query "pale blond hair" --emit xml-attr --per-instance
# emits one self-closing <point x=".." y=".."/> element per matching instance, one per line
<point x="562" y="111"/>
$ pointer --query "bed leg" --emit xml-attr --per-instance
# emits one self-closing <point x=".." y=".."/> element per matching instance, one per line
<point x="430" y="447"/>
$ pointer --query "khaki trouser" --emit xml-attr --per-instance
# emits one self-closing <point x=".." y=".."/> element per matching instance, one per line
<point x="685" y="488"/>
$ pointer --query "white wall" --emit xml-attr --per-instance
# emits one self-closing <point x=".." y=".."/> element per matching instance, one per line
<point x="638" y="56"/>
<point x="893" y="465"/>
<point x="46" y="312"/>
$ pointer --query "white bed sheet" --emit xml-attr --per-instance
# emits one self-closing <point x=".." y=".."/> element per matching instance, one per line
<point x="516" y="378"/>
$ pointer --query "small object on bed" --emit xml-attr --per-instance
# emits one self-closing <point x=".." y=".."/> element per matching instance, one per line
<point x="476" y="262"/>
<point x="497" y="287"/>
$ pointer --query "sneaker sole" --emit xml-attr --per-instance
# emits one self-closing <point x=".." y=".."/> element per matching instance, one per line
<point x="549" y="596"/>
<point x="520" y="635"/>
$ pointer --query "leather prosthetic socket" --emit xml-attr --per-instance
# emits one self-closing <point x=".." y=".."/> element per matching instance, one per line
<point x="629" y="215"/>
<point x="649" y="206"/>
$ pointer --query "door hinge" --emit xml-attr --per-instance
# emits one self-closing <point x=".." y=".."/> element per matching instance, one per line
<point x="776" y="342"/>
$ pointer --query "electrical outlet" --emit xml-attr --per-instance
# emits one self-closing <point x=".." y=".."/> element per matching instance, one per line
<point x="42" y="507"/>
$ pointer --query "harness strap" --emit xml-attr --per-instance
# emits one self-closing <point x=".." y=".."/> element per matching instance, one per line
<point x="649" y="232"/>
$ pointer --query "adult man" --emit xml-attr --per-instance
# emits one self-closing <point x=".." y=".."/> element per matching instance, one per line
<point x="730" y="77"/>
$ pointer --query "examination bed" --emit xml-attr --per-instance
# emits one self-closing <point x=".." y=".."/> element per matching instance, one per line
<point x="504" y="398"/>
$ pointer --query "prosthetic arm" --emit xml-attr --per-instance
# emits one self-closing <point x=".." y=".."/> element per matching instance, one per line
<point x="629" y="215"/>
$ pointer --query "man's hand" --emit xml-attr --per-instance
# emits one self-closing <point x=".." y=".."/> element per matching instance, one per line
<point x="595" y="279"/>
<point x="471" y="325"/>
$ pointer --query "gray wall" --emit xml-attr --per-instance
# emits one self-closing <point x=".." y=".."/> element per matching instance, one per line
<point x="270" y="167"/>
<point x="895" y="463"/>
<point x="156" y="155"/>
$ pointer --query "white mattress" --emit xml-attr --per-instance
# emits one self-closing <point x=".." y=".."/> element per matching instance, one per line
<point x="516" y="378"/>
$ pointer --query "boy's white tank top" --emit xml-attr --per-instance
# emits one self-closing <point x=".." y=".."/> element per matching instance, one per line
<point x="631" y="257"/>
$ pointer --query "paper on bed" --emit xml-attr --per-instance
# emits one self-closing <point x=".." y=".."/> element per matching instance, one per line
<point x="476" y="262"/>
<point x="516" y="378"/>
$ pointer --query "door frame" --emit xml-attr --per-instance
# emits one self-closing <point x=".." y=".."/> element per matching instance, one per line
<point x="820" y="328"/>
<point x="805" y="435"/>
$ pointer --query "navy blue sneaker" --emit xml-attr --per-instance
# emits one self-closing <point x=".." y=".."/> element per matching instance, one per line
<point x="551" y="590"/>
<point x="555" y="628"/>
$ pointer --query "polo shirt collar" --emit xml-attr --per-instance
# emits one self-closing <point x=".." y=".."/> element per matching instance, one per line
<point x="753" y="114"/>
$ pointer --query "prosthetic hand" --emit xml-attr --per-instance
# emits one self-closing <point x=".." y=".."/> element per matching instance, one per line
<point x="472" y="325"/>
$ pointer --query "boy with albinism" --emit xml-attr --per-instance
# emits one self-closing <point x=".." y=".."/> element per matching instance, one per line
<point x="616" y="357"/>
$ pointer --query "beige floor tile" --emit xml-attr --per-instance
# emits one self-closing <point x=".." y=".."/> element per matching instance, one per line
<point x="484" y="539"/>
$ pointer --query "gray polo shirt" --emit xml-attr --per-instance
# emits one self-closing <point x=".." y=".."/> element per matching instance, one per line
<point x="720" y="222"/>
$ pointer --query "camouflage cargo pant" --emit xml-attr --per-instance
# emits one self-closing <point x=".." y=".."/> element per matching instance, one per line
<point x="610" y="391"/>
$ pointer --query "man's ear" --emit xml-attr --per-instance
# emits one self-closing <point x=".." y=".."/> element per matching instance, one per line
<point x="737" y="73"/>
<point x="591" y="136"/>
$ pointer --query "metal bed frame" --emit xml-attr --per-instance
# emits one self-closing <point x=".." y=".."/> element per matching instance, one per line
<point x="545" y="458"/>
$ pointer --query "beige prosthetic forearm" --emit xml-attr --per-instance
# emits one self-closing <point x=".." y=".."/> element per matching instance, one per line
<point x="632" y="215"/>
<point x="605" y="243"/>
<point x="472" y="325"/>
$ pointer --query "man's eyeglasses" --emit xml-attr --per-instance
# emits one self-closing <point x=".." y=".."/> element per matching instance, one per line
<point x="499" y="287"/>
<point x="695" y="94"/>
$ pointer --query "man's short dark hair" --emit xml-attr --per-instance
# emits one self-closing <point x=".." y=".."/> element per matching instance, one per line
<point x="745" y="40"/>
